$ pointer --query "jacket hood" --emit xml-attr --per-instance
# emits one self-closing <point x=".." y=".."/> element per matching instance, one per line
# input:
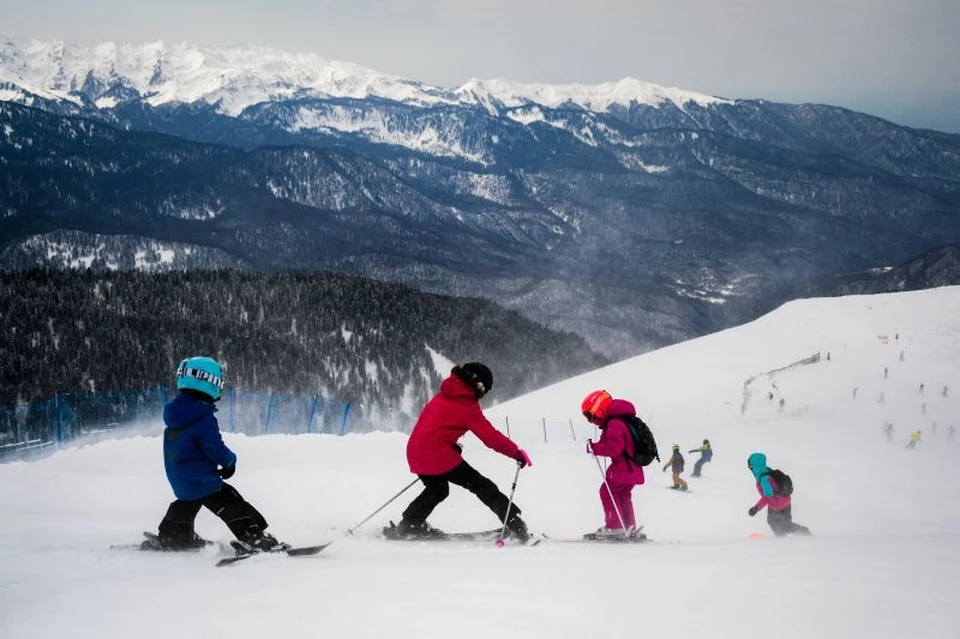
<point x="453" y="386"/>
<point x="758" y="464"/>
<point x="185" y="410"/>
<point x="621" y="408"/>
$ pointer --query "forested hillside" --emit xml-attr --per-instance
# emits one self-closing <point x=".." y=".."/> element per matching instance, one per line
<point x="346" y="338"/>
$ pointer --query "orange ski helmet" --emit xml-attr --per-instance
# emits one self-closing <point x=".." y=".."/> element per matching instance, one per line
<point x="595" y="405"/>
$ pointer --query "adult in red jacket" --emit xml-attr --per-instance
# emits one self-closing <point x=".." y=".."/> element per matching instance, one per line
<point x="434" y="454"/>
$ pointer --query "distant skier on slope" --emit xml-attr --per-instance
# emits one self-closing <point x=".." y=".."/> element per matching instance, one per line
<point x="773" y="496"/>
<point x="888" y="430"/>
<point x="915" y="438"/>
<point x="676" y="464"/>
<point x="616" y="442"/>
<point x="435" y="456"/>
<point x="192" y="451"/>
<point x="706" y="454"/>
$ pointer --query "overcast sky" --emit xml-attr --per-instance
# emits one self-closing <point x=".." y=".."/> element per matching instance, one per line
<point x="898" y="59"/>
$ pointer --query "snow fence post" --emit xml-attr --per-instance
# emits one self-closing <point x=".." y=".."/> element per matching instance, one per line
<point x="59" y="420"/>
<point x="233" y="410"/>
<point x="343" y="422"/>
<point x="266" y="424"/>
<point x="507" y="419"/>
<point x="543" y="420"/>
<point x="313" y="411"/>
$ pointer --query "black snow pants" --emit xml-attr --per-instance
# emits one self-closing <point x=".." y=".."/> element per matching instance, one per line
<point x="237" y="513"/>
<point x="437" y="488"/>
<point x="781" y="523"/>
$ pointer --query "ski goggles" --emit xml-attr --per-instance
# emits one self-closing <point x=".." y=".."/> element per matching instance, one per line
<point x="200" y="374"/>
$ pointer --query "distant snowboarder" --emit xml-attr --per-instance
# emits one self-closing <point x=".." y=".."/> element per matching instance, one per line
<point x="706" y="454"/>
<point x="951" y="433"/>
<point x="773" y="496"/>
<point x="675" y="464"/>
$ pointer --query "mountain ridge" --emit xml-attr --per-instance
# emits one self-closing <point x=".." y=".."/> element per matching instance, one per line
<point x="635" y="226"/>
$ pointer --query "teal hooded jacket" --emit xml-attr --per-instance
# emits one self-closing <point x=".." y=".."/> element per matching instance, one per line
<point x="765" y="485"/>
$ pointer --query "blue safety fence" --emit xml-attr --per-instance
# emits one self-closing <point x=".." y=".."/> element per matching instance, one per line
<point x="36" y="428"/>
<point x="26" y="429"/>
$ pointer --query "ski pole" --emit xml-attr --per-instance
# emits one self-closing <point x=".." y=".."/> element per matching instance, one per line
<point x="506" y="515"/>
<point x="387" y="503"/>
<point x="603" y="475"/>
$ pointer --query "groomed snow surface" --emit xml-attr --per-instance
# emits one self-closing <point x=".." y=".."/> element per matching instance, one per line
<point x="883" y="562"/>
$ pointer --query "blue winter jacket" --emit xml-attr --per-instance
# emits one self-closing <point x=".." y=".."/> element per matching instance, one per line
<point x="193" y="448"/>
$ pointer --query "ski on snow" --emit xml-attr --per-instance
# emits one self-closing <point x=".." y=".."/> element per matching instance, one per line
<point x="152" y="543"/>
<point x="474" y="536"/>
<point x="245" y="553"/>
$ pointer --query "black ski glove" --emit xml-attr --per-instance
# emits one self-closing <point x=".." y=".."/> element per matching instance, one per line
<point x="227" y="473"/>
<point x="753" y="511"/>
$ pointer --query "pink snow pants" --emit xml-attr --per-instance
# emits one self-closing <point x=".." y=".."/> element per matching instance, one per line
<point x="624" y="503"/>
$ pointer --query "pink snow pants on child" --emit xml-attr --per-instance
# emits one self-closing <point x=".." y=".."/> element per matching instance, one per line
<point x="624" y="503"/>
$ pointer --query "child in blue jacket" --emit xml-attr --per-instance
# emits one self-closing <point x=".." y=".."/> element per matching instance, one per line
<point x="197" y="461"/>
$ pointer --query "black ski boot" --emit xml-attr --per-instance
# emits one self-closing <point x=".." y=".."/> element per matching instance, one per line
<point x="173" y="544"/>
<point x="259" y="541"/>
<point x="517" y="528"/>
<point x="412" y="530"/>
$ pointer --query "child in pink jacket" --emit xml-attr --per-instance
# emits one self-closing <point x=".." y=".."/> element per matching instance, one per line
<point x="778" y="505"/>
<point x="608" y="414"/>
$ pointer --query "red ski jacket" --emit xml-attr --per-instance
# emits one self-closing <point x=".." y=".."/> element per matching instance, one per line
<point x="431" y="449"/>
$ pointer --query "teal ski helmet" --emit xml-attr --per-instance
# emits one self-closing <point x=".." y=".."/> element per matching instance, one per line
<point x="202" y="374"/>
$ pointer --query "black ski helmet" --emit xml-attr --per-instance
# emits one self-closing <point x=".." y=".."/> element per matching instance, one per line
<point x="476" y="375"/>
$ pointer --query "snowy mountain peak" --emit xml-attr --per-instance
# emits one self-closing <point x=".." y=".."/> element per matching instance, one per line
<point x="237" y="77"/>
<point x="593" y="97"/>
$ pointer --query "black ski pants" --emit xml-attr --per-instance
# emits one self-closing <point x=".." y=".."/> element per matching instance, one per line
<point x="227" y="504"/>
<point x="781" y="522"/>
<point x="437" y="488"/>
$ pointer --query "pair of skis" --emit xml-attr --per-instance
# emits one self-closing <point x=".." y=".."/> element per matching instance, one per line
<point x="241" y="551"/>
<point x="478" y="536"/>
<point x="493" y="535"/>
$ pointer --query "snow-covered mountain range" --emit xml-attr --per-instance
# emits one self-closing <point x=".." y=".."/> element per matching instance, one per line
<point x="238" y="77"/>
<point x="632" y="214"/>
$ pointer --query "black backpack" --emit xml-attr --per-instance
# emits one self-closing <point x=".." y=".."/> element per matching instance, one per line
<point x="782" y="481"/>
<point x="644" y="445"/>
